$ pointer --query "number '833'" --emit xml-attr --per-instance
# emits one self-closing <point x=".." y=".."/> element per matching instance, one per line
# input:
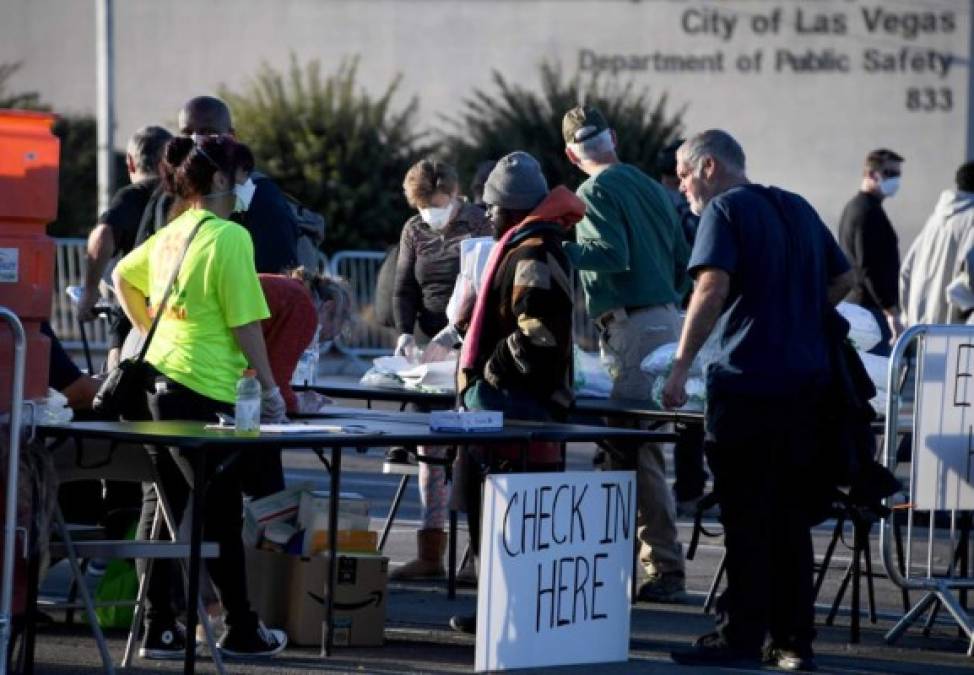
<point x="929" y="99"/>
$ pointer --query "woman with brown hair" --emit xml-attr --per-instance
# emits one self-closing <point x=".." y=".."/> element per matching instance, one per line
<point x="429" y="262"/>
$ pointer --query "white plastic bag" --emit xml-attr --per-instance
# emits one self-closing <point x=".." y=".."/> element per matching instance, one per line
<point x="474" y="253"/>
<point x="591" y="375"/>
<point x="863" y="329"/>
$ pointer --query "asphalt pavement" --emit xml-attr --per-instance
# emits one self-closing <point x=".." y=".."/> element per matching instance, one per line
<point x="418" y="639"/>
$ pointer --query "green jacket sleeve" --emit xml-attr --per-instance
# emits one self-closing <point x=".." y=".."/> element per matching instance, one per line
<point x="602" y="244"/>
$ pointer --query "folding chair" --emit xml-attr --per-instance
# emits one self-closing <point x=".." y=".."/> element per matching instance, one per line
<point x="119" y="462"/>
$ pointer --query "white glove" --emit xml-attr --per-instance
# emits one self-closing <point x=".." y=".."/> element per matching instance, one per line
<point x="405" y="346"/>
<point x="310" y="402"/>
<point x="272" y="407"/>
<point x="442" y="345"/>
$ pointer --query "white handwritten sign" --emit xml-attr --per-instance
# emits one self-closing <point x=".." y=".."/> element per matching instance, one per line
<point x="944" y="446"/>
<point x="555" y="569"/>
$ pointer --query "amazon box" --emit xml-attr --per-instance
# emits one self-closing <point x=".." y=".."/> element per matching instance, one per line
<point x="360" y="600"/>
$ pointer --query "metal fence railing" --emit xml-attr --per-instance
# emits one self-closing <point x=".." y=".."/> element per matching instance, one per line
<point x="359" y="268"/>
<point x="69" y="270"/>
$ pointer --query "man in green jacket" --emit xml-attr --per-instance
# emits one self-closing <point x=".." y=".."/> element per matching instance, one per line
<point x="632" y="259"/>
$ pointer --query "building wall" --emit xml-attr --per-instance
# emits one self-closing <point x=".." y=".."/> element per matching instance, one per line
<point x="808" y="86"/>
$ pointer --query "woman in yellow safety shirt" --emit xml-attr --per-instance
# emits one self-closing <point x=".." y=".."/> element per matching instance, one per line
<point x="209" y="333"/>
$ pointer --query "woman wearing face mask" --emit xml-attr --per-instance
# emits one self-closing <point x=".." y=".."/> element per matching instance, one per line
<point x="429" y="262"/>
<point x="208" y="334"/>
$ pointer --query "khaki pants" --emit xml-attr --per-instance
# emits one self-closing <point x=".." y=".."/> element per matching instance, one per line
<point x="628" y="338"/>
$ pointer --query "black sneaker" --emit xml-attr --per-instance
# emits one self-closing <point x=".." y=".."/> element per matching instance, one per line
<point x="670" y="587"/>
<point x="713" y="650"/>
<point x="252" y="640"/>
<point x="464" y="623"/>
<point x="792" y="659"/>
<point x="163" y="641"/>
<point x="397" y="456"/>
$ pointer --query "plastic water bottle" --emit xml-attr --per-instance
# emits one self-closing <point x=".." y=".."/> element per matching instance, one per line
<point x="246" y="412"/>
<point x="306" y="372"/>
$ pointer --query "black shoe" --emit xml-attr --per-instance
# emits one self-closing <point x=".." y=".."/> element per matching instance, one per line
<point x="397" y="456"/>
<point x="163" y="640"/>
<point x="464" y="623"/>
<point x="788" y="658"/>
<point x="252" y="640"/>
<point x="714" y="650"/>
<point x="670" y="587"/>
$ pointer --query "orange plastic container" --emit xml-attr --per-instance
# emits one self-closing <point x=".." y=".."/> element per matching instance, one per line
<point x="29" y="160"/>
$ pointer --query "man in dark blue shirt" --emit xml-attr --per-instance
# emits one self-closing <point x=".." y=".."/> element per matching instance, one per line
<point x="766" y="269"/>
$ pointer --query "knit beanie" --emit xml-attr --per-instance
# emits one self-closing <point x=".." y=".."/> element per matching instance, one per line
<point x="516" y="183"/>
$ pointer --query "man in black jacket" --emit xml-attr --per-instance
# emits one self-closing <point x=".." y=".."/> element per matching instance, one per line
<point x="867" y="237"/>
<point x="265" y="213"/>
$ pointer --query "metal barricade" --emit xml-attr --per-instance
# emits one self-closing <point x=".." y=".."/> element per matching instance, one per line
<point x="13" y="464"/>
<point x="941" y="485"/>
<point x="361" y="270"/>
<point x="70" y="271"/>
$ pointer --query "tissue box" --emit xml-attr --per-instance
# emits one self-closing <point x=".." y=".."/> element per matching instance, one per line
<point x="466" y="420"/>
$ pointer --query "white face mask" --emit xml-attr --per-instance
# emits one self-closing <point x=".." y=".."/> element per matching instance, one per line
<point x="437" y="218"/>
<point x="245" y="194"/>
<point x="889" y="186"/>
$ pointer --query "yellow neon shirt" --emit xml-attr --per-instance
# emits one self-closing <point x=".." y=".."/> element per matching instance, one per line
<point x="216" y="290"/>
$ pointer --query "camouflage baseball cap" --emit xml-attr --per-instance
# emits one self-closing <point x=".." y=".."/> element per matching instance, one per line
<point x="582" y="123"/>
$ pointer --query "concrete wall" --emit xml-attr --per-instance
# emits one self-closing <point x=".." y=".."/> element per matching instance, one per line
<point x="808" y="86"/>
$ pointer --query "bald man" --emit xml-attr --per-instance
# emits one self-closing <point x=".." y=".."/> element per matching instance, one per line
<point x="267" y="217"/>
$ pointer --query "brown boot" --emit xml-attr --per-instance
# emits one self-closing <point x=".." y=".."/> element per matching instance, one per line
<point x="430" y="547"/>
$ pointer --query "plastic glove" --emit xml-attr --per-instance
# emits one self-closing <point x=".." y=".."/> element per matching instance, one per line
<point x="310" y="402"/>
<point x="272" y="407"/>
<point x="442" y="345"/>
<point x="405" y="346"/>
<point x="87" y="302"/>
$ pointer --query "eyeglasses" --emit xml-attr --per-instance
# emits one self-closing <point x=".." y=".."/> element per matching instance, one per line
<point x="890" y="173"/>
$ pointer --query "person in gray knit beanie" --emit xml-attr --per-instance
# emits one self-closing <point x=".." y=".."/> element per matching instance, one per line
<point x="516" y="183"/>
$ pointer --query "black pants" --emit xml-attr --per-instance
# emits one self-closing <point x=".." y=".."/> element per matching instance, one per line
<point x="222" y="503"/>
<point x="691" y="477"/>
<point x="761" y="452"/>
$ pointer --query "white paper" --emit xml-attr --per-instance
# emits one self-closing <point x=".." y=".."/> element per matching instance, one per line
<point x="556" y="569"/>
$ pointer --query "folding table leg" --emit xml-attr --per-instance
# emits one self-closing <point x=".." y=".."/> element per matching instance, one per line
<point x="708" y="605"/>
<point x="165" y="511"/>
<point x="827" y="558"/>
<point x="139" y="610"/>
<point x="195" y="544"/>
<point x="393" y="510"/>
<point x="106" y="658"/>
<point x="451" y="574"/>
<point x="335" y="471"/>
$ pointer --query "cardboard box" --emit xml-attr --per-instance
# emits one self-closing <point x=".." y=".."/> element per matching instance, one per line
<point x="280" y="506"/>
<point x="351" y="541"/>
<point x="313" y="510"/>
<point x="360" y="600"/>
<point x="289" y="592"/>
